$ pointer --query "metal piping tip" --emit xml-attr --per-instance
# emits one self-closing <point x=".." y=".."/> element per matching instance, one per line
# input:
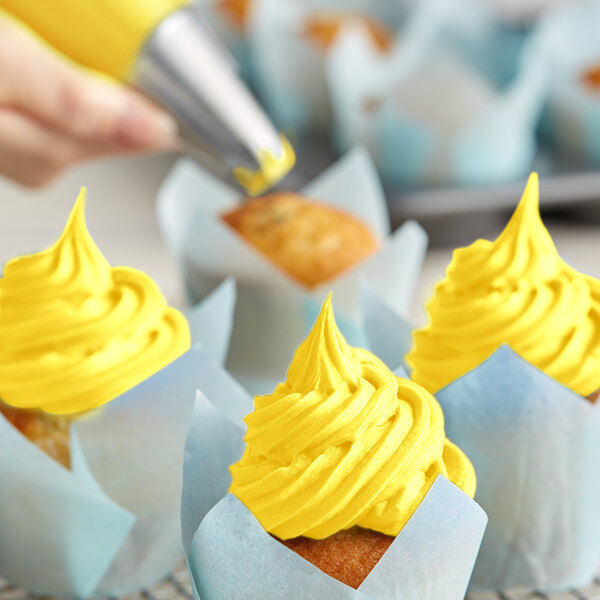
<point x="272" y="169"/>
<point x="184" y="68"/>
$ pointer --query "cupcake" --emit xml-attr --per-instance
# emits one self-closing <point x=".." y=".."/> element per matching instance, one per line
<point x="235" y="11"/>
<point x="573" y="115"/>
<point x="311" y="242"/>
<point x="512" y="353"/>
<point x="286" y="252"/>
<point x="493" y="82"/>
<point x="591" y="78"/>
<point x="339" y="461"/>
<point x="323" y="29"/>
<point x="97" y="382"/>
<point x="518" y="291"/>
<point x="77" y="333"/>
<point x="574" y="111"/>
<point x="290" y="44"/>
<point x="523" y="12"/>
<point x="572" y="120"/>
<point x="339" y="456"/>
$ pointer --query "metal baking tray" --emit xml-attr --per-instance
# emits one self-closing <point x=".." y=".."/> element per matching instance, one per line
<point x="453" y="215"/>
<point x="456" y="216"/>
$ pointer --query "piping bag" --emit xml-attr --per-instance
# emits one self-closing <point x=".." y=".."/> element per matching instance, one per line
<point x="163" y="48"/>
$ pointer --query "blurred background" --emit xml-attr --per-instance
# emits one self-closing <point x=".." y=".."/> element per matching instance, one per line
<point x="457" y="101"/>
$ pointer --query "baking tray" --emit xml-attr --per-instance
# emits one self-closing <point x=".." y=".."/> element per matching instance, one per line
<point x="454" y="215"/>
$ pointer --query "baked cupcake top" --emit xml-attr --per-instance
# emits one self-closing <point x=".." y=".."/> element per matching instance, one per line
<point x="342" y="442"/>
<point x="76" y="332"/>
<point x="591" y="77"/>
<point x="236" y="12"/>
<point x="323" y="29"/>
<point x="516" y="291"/>
<point x="310" y="241"/>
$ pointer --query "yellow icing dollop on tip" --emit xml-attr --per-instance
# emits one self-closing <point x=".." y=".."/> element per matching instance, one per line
<point x="516" y="291"/>
<point x="342" y="442"/>
<point x="272" y="169"/>
<point x="75" y="332"/>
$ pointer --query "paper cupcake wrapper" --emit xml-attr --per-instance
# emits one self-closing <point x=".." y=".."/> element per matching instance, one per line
<point x="211" y="321"/>
<point x="535" y="446"/>
<point x="375" y="103"/>
<point x="521" y="12"/>
<point x="272" y="311"/>
<point x="111" y="523"/>
<point x="573" y="118"/>
<point x="289" y="68"/>
<point x="230" y="555"/>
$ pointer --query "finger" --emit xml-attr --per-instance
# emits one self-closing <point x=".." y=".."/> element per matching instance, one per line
<point x="36" y="81"/>
<point x="33" y="154"/>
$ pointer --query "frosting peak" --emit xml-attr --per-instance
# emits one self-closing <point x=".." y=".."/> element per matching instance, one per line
<point x="525" y="237"/>
<point x="342" y="442"/>
<point x="323" y="362"/>
<point x="74" y="331"/>
<point x="517" y="291"/>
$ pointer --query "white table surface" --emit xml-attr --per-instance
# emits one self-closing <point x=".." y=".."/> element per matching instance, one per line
<point x="121" y="218"/>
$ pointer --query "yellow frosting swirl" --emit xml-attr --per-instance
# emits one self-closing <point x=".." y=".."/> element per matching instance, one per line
<point x="342" y="442"/>
<point x="517" y="291"/>
<point x="75" y="332"/>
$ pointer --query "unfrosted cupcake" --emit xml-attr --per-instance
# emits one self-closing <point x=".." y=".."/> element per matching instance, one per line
<point x="76" y="333"/>
<point x="312" y="242"/>
<point x="235" y="11"/>
<point x="518" y="291"/>
<point x="322" y="29"/>
<point x="591" y="78"/>
<point x="340" y="456"/>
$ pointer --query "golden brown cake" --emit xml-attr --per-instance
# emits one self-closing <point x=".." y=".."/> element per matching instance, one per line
<point x="348" y="555"/>
<point x="591" y="77"/>
<point x="235" y="11"/>
<point x="324" y="29"/>
<point x="48" y="432"/>
<point x="311" y="242"/>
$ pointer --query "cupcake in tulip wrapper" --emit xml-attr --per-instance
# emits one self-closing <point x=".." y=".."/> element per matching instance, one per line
<point x="512" y="353"/>
<point x="290" y="41"/>
<point x="96" y="378"/>
<point x="456" y="103"/>
<point x="573" y="116"/>
<point x="346" y="486"/>
<point x="287" y="257"/>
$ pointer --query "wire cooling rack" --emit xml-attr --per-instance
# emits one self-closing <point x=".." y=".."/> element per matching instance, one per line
<point x="177" y="587"/>
<point x="589" y="592"/>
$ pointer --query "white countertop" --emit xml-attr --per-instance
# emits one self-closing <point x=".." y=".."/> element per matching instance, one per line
<point x="120" y="215"/>
<point x="121" y="218"/>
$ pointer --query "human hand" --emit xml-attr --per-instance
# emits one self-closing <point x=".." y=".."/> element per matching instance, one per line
<point x="53" y="114"/>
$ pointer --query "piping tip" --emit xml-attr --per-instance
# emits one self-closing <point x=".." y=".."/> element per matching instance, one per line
<point x="271" y="170"/>
<point x="184" y="68"/>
